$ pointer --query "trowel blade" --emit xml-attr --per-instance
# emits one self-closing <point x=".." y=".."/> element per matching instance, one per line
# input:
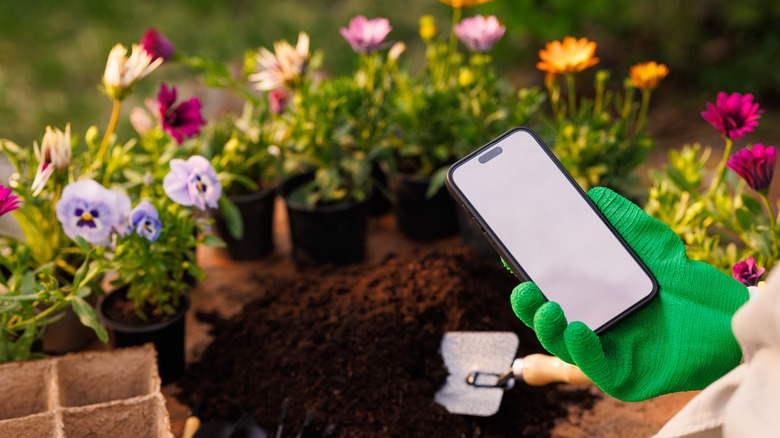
<point x="465" y="353"/>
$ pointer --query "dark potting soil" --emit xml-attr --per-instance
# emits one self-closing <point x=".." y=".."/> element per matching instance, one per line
<point x="359" y="346"/>
<point x="124" y="311"/>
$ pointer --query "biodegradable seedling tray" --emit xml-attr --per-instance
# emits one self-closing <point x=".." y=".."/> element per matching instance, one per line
<point x="113" y="393"/>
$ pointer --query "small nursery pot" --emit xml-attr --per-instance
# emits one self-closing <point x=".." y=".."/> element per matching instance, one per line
<point x="418" y="216"/>
<point x="68" y="333"/>
<point x="325" y="234"/>
<point x="167" y="336"/>
<point x="257" y="213"/>
<point x="379" y="197"/>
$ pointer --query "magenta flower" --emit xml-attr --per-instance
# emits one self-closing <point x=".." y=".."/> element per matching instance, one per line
<point x="756" y="166"/>
<point x="8" y="202"/>
<point x="278" y="100"/>
<point x="479" y="33"/>
<point x="746" y="272"/>
<point x="366" y="35"/>
<point x="156" y="44"/>
<point x="183" y="120"/>
<point x="733" y="115"/>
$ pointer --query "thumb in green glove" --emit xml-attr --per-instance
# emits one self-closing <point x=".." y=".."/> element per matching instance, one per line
<point x="680" y="341"/>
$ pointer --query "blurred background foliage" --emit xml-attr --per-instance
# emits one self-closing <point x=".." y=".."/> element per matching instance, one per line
<point x="52" y="53"/>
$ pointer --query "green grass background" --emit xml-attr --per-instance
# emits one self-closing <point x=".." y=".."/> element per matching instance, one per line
<point x="52" y="53"/>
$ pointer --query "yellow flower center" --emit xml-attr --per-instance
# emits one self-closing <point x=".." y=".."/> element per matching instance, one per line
<point x="86" y="216"/>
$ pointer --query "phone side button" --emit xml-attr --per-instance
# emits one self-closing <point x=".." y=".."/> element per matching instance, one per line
<point x="487" y="237"/>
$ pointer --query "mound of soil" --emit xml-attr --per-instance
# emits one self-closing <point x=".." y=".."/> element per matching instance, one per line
<point x="358" y="346"/>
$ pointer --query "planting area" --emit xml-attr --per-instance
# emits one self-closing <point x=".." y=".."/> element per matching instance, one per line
<point x="358" y="346"/>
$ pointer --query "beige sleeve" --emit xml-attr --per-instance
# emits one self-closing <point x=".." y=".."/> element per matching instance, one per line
<point x="746" y="401"/>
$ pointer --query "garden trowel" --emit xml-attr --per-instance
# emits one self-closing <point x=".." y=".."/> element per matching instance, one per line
<point x="482" y="365"/>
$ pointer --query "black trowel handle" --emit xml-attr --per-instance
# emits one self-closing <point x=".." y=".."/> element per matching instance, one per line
<point x="541" y="369"/>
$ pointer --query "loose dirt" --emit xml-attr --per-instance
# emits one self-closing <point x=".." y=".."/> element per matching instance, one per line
<point x="359" y="346"/>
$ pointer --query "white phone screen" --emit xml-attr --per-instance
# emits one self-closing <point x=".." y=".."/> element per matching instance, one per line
<point x="547" y="227"/>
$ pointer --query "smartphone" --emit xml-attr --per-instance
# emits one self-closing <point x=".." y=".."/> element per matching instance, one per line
<point x="547" y="230"/>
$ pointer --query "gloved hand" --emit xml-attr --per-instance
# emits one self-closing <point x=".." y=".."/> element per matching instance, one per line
<point x="680" y="341"/>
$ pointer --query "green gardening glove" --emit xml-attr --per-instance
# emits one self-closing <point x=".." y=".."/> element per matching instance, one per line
<point x="680" y="341"/>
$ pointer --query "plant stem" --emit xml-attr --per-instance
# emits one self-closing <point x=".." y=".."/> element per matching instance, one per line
<point x="456" y="14"/>
<point x="555" y="93"/>
<point x="453" y="43"/>
<point x="721" y="168"/>
<point x="640" y="120"/>
<point x="109" y="130"/>
<point x="772" y="223"/>
<point x="572" y="97"/>
<point x="46" y="312"/>
<point x="599" y="98"/>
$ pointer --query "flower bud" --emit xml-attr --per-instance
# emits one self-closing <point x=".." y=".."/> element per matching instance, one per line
<point x="278" y="100"/>
<point x="427" y="28"/>
<point x="396" y="51"/>
<point x="142" y="121"/>
<point x="465" y="77"/>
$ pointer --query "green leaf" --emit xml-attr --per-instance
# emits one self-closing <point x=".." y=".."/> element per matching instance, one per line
<point x="20" y="350"/>
<point x="5" y="354"/>
<point x="88" y="317"/>
<point x="744" y="219"/>
<point x="232" y="217"/>
<point x="752" y="205"/>
<point x="83" y="292"/>
<point x="22" y="297"/>
<point x="437" y="181"/>
<point x="213" y="241"/>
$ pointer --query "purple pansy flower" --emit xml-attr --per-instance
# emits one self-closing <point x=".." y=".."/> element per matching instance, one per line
<point x="156" y="44"/>
<point x="92" y="211"/>
<point x="145" y="220"/>
<point x="479" y="33"/>
<point x="366" y="36"/>
<point x="733" y="115"/>
<point x="8" y="202"/>
<point x="183" y="120"/>
<point x="193" y="182"/>
<point x="746" y="272"/>
<point x="755" y="165"/>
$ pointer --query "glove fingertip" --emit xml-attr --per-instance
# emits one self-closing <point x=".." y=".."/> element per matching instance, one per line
<point x="526" y="300"/>
<point x="586" y="350"/>
<point x="549" y="324"/>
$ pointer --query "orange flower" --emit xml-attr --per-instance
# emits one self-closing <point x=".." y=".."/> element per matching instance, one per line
<point x="647" y="76"/>
<point x="464" y="3"/>
<point x="571" y="56"/>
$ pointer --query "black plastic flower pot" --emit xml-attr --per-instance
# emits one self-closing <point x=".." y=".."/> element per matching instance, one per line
<point x="167" y="336"/>
<point x="418" y="216"/>
<point x="379" y="197"/>
<point x="474" y="238"/>
<point x="329" y="234"/>
<point x="257" y="213"/>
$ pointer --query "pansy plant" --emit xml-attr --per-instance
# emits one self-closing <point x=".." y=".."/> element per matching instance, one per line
<point x="154" y="250"/>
